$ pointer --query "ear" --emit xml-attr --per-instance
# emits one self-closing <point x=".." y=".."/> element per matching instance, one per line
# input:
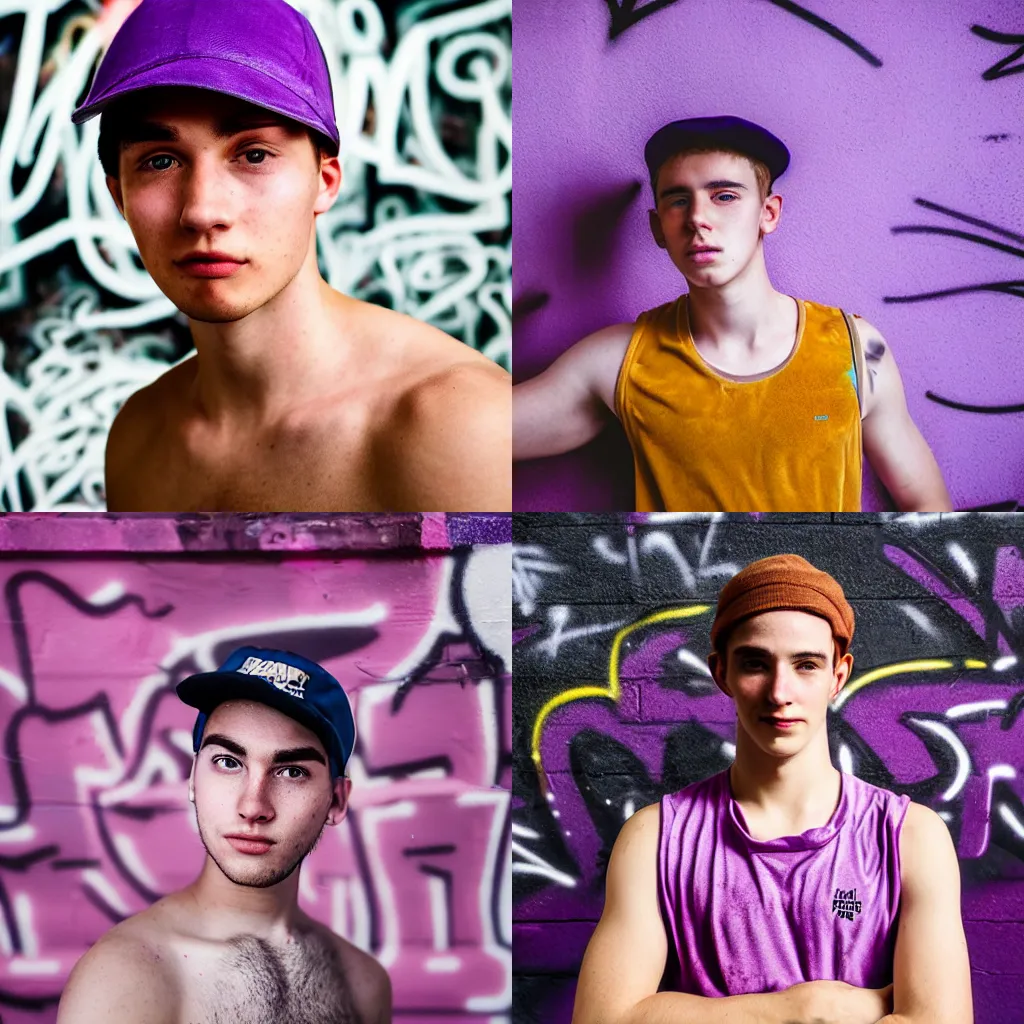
<point x="843" y="670"/>
<point x="655" y="222"/>
<point x="330" y="184"/>
<point x="771" y="213"/>
<point x="717" y="665"/>
<point x="114" y="188"/>
<point x="339" y="801"/>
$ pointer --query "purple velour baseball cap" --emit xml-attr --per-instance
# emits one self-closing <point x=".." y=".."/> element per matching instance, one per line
<point x="729" y="132"/>
<point x="262" y="51"/>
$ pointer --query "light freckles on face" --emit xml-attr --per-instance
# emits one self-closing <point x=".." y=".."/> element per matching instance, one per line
<point x="251" y="196"/>
<point x="248" y="794"/>
<point x="781" y="663"/>
<point x="695" y="207"/>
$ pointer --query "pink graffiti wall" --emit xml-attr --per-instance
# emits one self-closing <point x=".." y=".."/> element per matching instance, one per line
<point x="902" y="203"/>
<point x="101" y="617"/>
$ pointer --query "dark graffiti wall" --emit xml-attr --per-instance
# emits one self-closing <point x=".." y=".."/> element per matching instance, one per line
<point x="614" y="705"/>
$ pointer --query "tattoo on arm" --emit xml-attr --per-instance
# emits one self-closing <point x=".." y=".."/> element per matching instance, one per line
<point x="873" y="352"/>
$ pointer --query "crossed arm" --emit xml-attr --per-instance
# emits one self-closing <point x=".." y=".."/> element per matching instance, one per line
<point x="898" y="453"/>
<point x="624" y="962"/>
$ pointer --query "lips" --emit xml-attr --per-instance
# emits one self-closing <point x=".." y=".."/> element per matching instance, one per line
<point x="253" y="845"/>
<point x="781" y="723"/>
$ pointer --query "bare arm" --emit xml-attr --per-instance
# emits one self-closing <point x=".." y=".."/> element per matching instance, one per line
<point x="118" y="981"/>
<point x="626" y="957"/>
<point x="568" y="404"/>
<point x="931" y="970"/>
<point x="448" y="449"/>
<point x="893" y="444"/>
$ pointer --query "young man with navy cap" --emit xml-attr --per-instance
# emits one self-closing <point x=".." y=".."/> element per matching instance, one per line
<point x="272" y="738"/>
<point x="734" y="397"/>
<point x="299" y="398"/>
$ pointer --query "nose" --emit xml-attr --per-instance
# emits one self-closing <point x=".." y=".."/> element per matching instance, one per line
<point x="779" y="695"/>
<point x="697" y="212"/>
<point x="254" y="803"/>
<point x="206" y="195"/>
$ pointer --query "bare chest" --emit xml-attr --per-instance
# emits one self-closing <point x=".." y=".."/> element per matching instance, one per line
<point x="303" y="471"/>
<point x="253" y="982"/>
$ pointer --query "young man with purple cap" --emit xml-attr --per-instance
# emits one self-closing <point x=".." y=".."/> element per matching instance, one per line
<point x="220" y="146"/>
<point x="734" y="397"/>
<point x="781" y="890"/>
<point x="271" y="741"/>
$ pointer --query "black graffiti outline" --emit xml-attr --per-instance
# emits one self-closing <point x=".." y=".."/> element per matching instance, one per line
<point x="626" y="14"/>
<point x="1002" y="67"/>
<point x="1015" y="288"/>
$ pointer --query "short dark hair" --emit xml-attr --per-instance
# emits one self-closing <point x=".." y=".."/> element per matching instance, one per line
<point x="117" y="120"/>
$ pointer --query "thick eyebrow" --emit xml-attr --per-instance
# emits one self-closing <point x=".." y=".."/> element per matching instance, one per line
<point x="157" y="131"/>
<point x="750" y="650"/>
<point x="280" y="756"/>
<point x="673" y="190"/>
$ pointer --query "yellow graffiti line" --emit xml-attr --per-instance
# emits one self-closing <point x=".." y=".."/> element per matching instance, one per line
<point x="974" y="663"/>
<point x="612" y="691"/>
<point x="924" y="665"/>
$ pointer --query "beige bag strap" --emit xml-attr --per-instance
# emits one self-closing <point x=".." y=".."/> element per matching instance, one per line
<point x="858" y="359"/>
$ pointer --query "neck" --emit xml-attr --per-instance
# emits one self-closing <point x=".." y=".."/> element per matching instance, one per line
<point x="229" y="909"/>
<point x="742" y="313"/>
<point x="798" y="787"/>
<point x="281" y="354"/>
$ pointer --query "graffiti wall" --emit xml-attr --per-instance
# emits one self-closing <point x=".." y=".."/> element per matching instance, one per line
<point x="614" y="705"/>
<point x="422" y="224"/>
<point x="904" y="121"/>
<point x="101" y="617"/>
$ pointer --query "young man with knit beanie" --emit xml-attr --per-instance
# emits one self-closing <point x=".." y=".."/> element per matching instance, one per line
<point x="780" y="891"/>
<point x="734" y="397"/>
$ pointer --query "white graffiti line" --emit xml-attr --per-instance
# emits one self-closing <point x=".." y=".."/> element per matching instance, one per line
<point x="1011" y="819"/>
<point x="602" y="546"/>
<point x="957" y="553"/>
<point x="689" y="658"/>
<point x="963" y="759"/>
<point x="846" y="760"/>
<point x="1003" y="663"/>
<point x="431" y="123"/>
<point x="919" y="619"/>
<point x="961" y="710"/>
<point x="530" y="863"/>
<point x="558" y="617"/>
<point x="529" y="566"/>
<point x="663" y="542"/>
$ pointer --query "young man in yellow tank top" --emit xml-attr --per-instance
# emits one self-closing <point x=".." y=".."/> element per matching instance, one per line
<point x="734" y="397"/>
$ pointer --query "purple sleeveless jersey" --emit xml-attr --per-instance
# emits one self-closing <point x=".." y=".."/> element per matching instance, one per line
<point x="745" y="915"/>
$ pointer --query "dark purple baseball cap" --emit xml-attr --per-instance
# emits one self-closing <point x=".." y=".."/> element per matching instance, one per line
<point x="262" y="51"/>
<point x="733" y="133"/>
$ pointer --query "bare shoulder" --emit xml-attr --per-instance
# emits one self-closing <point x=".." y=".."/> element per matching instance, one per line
<point x="368" y="981"/>
<point x="926" y="847"/>
<point x="125" y="976"/>
<point x="138" y="421"/>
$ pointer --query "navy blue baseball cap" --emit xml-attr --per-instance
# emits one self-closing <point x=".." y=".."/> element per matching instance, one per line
<point x="293" y="685"/>
<point x="727" y="132"/>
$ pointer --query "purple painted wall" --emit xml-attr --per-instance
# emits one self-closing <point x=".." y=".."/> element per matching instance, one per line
<point x="939" y="121"/>
<point x="101" y="617"/>
<point x="933" y="709"/>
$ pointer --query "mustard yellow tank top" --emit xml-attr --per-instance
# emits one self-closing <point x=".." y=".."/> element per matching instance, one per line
<point x="706" y="442"/>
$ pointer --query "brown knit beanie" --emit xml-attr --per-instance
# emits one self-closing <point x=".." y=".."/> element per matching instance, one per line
<point x="782" y="582"/>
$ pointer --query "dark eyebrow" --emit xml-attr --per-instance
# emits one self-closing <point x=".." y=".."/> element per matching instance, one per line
<point x="280" y="756"/>
<point x="673" y="190"/>
<point x="750" y="650"/>
<point x="157" y="131"/>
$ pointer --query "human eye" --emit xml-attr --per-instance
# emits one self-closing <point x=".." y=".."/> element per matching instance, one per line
<point x="220" y="758"/>
<point x="303" y="774"/>
<point x="258" y="150"/>
<point x="146" y="164"/>
<point x="726" y="196"/>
